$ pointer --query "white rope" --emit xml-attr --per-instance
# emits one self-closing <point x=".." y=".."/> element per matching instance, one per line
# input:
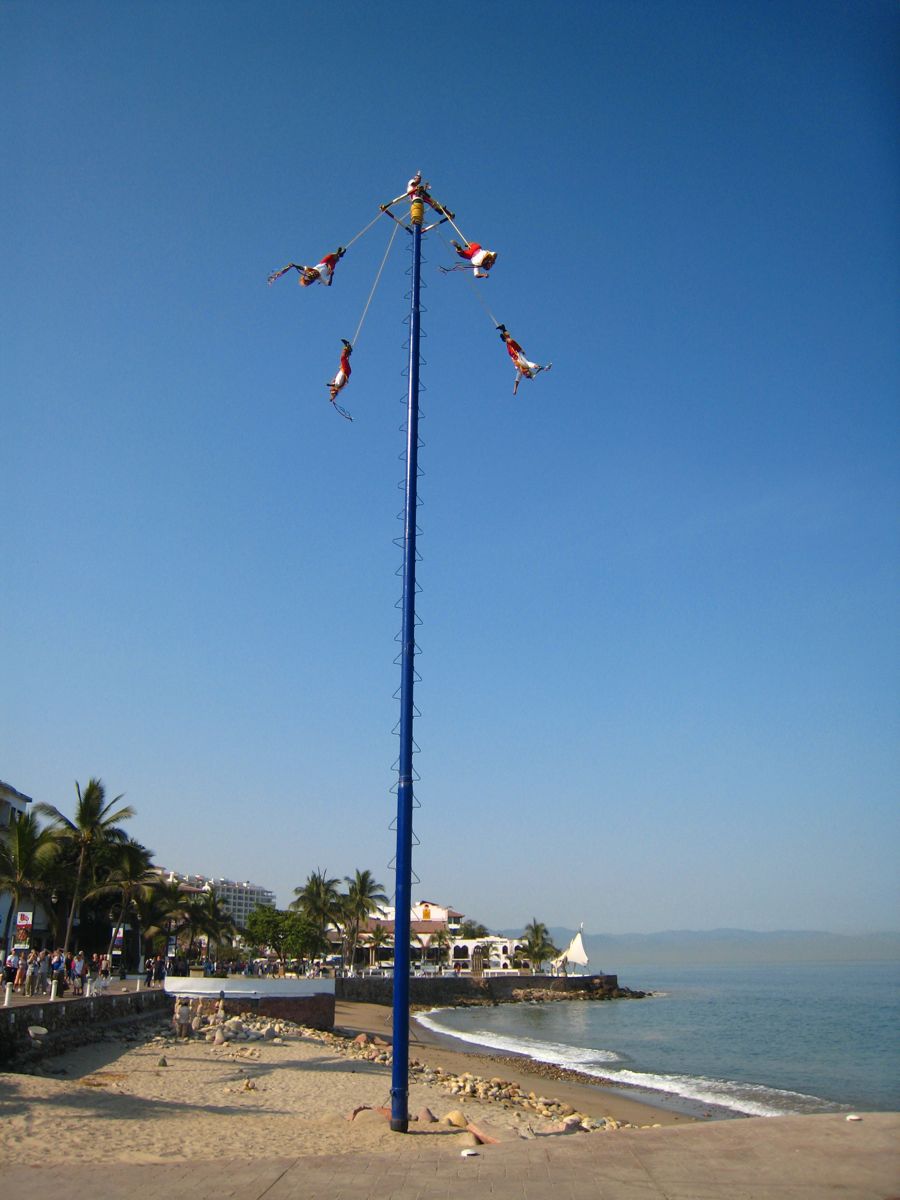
<point x="456" y="227"/>
<point x="472" y="281"/>
<point x="482" y="300"/>
<point x="375" y="284"/>
<point x="362" y="231"/>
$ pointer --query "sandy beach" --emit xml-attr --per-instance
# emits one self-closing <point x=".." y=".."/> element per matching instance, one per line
<point x="591" y="1098"/>
<point x="164" y="1100"/>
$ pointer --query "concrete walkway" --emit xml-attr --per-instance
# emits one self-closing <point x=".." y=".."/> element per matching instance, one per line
<point x="786" y="1158"/>
<point x="115" y="987"/>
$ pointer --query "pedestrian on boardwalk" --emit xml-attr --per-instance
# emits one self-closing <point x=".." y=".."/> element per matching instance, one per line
<point x="43" y="970"/>
<point x="30" y="968"/>
<point x="77" y="974"/>
<point x="58" y="970"/>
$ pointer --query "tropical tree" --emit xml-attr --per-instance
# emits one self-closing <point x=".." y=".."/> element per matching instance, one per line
<point x="265" y="927"/>
<point x="129" y="874"/>
<point x="320" y="902"/>
<point x="289" y="934"/>
<point x="377" y="938"/>
<point x="160" y="910"/>
<point x="473" y="929"/>
<point x="420" y="942"/>
<point x="206" y="915"/>
<point x="364" y="894"/>
<point x="442" y="940"/>
<point x="26" y="856"/>
<point x="305" y="940"/>
<point x="536" y="944"/>
<point x="93" y="827"/>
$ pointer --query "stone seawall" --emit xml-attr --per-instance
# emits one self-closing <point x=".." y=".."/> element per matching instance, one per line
<point x="73" y="1022"/>
<point x="317" y="1012"/>
<point x="304" y="1001"/>
<point x="441" y="990"/>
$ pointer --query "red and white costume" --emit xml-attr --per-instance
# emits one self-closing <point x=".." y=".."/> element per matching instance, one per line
<point x="416" y="189"/>
<point x="517" y="354"/>
<point x="524" y="368"/>
<point x="322" y="272"/>
<point x="343" y="376"/>
<point x="481" y="259"/>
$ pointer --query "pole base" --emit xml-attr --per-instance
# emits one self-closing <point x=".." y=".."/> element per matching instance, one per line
<point x="399" y="1125"/>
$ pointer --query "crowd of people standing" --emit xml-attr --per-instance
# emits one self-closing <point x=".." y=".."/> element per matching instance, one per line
<point x="32" y="971"/>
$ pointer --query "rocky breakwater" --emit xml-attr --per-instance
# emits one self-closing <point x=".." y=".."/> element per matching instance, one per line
<point x="450" y="990"/>
<point x="593" y="993"/>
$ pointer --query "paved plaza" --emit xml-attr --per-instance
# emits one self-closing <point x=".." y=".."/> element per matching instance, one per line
<point x="790" y="1158"/>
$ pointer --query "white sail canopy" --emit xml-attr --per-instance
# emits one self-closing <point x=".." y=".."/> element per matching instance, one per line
<point x="574" y="953"/>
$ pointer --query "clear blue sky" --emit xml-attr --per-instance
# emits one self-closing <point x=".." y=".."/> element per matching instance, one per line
<point x="659" y="640"/>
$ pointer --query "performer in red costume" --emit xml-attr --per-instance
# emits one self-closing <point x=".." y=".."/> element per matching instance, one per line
<point x="482" y="260"/>
<point x="524" y="368"/>
<point x="417" y="190"/>
<point x="341" y="379"/>
<point x="322" y="272"/>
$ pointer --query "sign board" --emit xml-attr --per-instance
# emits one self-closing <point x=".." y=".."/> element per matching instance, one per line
<point x="24" y="922"/>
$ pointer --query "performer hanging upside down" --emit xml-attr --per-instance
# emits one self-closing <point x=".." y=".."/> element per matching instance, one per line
<point x="322" y="272"/>
<point x="482" y="260"/>
<point x="341" y="379"/>
<point x="520" y="362"/>
<point x="417" y="190"/>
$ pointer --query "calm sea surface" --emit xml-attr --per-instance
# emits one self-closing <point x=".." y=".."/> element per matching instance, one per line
<point x="725" y="1040"/>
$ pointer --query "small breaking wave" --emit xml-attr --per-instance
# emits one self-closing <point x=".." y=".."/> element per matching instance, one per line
<point x="577" y="1058"/>
<point x="745" y="1099"/>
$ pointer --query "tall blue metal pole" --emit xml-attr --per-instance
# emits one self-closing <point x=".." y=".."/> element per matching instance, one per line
<point x="403" y="861"/>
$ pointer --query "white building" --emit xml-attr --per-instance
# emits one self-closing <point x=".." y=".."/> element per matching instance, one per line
<point x="424" y="911"/>
<point x="427" y="920"/>
<point x="237" y="898"/>
<point x="12" y="804"/>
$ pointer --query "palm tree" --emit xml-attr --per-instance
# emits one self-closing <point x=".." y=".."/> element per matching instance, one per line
<point x="93" y="827"/>
<point x="220" y="924"/>
<point x="472" y="929"/>
<point x="319" y="901"/>
<point x="377" y="938"/>
<point x="130" y="873"/>
<point x="205" y="914"/>
<point x="421" y="942"/>
<point x="536" y="944"/>
<point x="161" y="909"/>
<point x="364" y="894"/>
<point x="442" y="939"/>
<point x="26" y="853"/>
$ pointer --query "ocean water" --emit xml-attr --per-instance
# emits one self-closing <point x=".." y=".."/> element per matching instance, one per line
<point x="723" y="1041"/>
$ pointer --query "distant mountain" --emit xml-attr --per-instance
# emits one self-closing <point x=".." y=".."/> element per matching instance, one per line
<point x="609" y="952"/>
